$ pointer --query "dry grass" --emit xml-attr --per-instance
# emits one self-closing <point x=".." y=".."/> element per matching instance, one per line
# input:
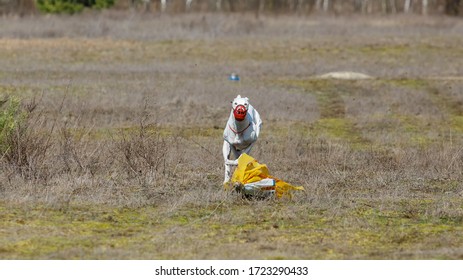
<point x="133" y="109"/>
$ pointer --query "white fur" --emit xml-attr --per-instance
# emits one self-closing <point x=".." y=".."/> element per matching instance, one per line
<point x="239" y="136"/>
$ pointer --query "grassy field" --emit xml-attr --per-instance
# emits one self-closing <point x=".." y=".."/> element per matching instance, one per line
<point x="121" y="158"/>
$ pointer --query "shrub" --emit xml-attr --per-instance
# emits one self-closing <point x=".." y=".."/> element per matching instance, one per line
<point x="10" y="117"/>
<point x="143" y="151"/>
<point x="72" y="6"/>
<point x="23" y="145"/>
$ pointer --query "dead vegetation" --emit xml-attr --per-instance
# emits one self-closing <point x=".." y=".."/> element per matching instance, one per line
<point x="119" y="156"/>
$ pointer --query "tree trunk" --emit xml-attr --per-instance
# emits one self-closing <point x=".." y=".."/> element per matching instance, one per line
<point x="163" y="5"/>
<point x="326" y="5"/>
<point x="424" y="7"/>
<point x="188" y="5"/>
<point x="407" y="6"/>
<point x="384" y="6"/>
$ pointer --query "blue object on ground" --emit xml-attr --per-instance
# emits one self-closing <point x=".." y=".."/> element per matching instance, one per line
<point x="234" y="77"/>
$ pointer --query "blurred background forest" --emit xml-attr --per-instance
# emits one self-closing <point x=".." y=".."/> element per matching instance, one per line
<point x="296" y="7"/>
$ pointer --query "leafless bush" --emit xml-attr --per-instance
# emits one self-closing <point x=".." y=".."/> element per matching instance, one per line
<point x="79" y="153"/>
<point x="142" y="151"/>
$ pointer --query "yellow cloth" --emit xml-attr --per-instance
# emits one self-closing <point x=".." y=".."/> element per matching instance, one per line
<point x="250" y="171"/>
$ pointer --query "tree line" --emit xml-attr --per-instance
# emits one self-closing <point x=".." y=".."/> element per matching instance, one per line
<point x="425" y="7"/>
<point x="299" y="7"/>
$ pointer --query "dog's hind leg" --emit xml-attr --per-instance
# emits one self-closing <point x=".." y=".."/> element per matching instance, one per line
<point x="248" y="149"/>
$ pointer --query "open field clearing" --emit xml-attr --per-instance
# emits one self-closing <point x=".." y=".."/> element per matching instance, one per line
<point x="121" y="157"/>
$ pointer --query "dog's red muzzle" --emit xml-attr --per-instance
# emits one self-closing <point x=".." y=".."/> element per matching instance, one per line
<point x="240" y="112"/>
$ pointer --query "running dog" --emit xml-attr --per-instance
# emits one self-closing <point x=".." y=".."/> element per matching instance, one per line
<point x="241" y="132"/>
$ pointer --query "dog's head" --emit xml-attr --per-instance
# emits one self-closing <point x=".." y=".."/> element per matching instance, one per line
<point x="240" y="107"/>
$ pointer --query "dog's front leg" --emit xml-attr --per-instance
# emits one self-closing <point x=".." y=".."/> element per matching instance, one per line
<point x="226" y="154"/>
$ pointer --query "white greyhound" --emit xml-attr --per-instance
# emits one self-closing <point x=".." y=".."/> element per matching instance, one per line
<point x="240" y="134"/>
